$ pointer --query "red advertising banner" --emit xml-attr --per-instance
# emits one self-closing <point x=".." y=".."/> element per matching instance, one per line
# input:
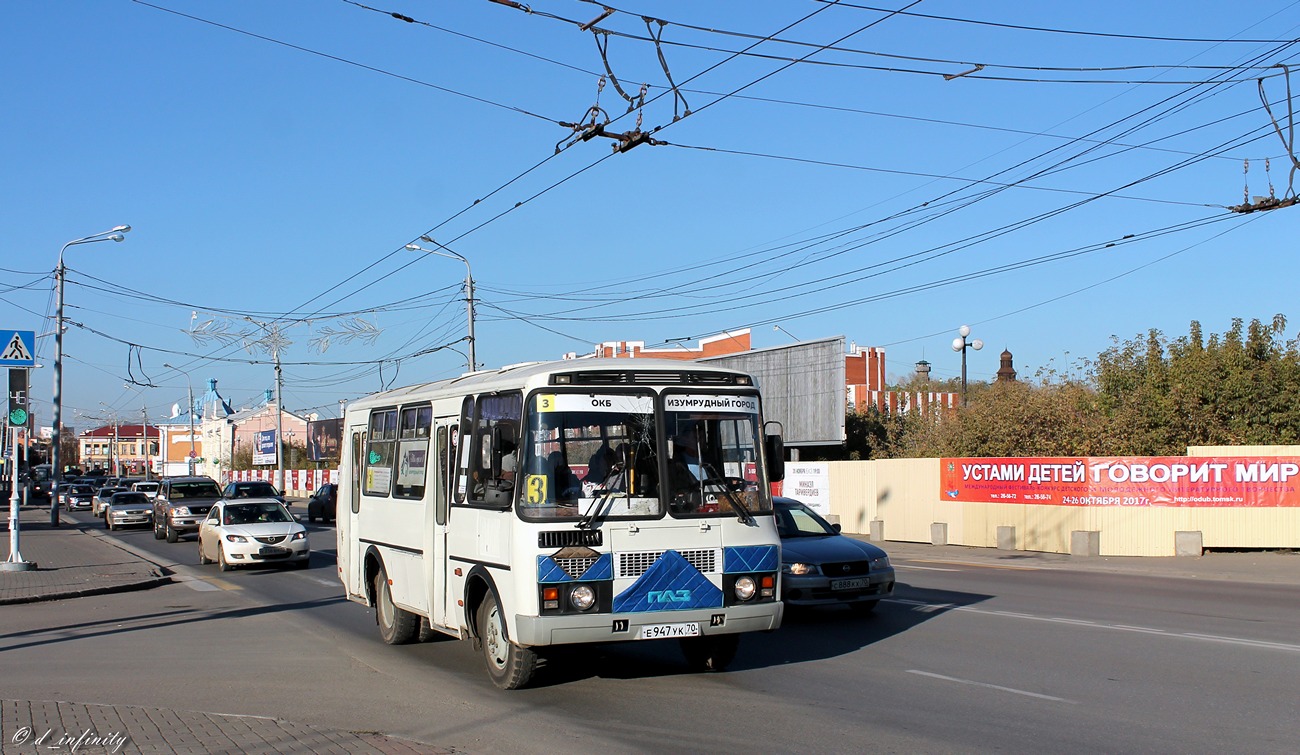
<point x="1182" y="481"/>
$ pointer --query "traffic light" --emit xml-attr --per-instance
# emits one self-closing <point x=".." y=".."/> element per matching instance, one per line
<point x="17" y="410"/>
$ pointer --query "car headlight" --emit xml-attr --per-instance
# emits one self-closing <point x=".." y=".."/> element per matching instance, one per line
<point x="879" y="563"/>
<point x="798" y="567"/>
<point x="181" y="511"/>
<point x="582" y="597"/>
<point x="745" y="588"/>
<point x="236" y="538"/>
<point x="299" y="536"/>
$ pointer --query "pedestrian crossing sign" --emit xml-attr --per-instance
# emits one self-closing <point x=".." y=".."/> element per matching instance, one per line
<point x="17" y="348"/>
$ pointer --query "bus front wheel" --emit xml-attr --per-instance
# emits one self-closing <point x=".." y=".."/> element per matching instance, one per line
<point x="396" y="625"/>
<point x="509" y="665"/>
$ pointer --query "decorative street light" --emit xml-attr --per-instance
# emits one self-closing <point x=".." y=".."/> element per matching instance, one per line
<point x="961" y="344"/>
<point x="469" y="288"/>
<point x="60" y="272"/>
<point x="189" y="392"/>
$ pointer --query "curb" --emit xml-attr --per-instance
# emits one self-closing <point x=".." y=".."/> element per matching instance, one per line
<point x="141" y="584"/>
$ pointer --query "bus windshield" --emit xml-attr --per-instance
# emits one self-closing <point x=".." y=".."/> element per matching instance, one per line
<point x="712" y="453"/>
<point x="590" y="455"/>
<point x="595" y="456"/>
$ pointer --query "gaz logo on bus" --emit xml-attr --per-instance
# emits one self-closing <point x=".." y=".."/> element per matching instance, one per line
<point x="669" y="596"/>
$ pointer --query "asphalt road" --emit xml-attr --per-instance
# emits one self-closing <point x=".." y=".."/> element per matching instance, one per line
<point x="965" y="658"/>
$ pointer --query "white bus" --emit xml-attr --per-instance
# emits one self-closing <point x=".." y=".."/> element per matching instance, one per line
<point x="564" y="502"/>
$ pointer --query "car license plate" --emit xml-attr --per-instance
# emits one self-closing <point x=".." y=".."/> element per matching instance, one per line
<point x="272" y="551"/>
<point x="661" y="631"/>
<point x="848" y="584"/>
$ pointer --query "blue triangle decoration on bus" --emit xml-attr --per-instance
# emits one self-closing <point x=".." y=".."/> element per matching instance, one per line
<point x="670" y="584"/>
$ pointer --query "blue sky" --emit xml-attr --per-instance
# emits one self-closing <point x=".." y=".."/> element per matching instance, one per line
<point x="274" y="159"/>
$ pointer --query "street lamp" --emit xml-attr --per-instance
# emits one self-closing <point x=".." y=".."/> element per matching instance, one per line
<point x="114" y="454"/>
<point x="961" y="344"/>
<point x="60" y="272"/>
<point x="189" y="392"/>
<point x="469" y="289"/>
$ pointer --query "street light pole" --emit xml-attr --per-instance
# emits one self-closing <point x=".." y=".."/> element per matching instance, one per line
<point x="469" y="289"/>
<point x="60" y="273"/>
<point x="961" y="344"/>
<point x="189" y="393"/>
<point x="113" y="456"/>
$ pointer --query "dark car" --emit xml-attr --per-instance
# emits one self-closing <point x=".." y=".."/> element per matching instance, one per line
<point x="77" y="497"/>
<point x="252" y="489"/>
<point x="821" y="567"/>
<point x="182" y="503"/>
<point x="323" y="503"/>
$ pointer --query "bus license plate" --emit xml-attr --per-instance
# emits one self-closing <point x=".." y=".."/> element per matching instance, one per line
<point x="661" y="631"/>
<point x="848" y="584"/>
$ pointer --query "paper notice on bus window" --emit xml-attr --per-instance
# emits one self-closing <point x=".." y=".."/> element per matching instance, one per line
<point x="705" y="403"/>
<point x="412" y="457"/>
<point x="378" y="479"/>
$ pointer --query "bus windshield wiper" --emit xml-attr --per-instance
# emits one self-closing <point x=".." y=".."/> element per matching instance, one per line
<point x="742" y="511"/>
<point x="589" y="516"/>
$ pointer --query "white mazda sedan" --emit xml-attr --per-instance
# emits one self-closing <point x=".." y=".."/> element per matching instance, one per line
<point x="252" y="532"/>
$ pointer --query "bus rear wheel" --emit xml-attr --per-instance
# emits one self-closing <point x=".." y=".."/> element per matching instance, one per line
<point x="396" y="626"/>
<point x="509" y="665"/>
<point x="710" y="653"/>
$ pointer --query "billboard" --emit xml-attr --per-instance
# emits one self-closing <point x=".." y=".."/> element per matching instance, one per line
<point x="1173" y="481"/>
<point x="323" y="439"/>
<point x="803" y="388"/>
<point x="264" y="451"/>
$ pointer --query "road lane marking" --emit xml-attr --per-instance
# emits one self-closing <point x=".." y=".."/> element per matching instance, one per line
<point x="205" y="584"/>
<point x="325" y="582"/>
<point x="925" y="607"/>
<point x="1012" y="690"/>
<point x="922" y="568"/>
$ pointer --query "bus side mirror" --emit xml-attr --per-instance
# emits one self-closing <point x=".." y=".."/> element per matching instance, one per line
<point x="775" y="453"/>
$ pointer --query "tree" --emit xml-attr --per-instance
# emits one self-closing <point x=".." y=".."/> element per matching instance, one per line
<point x="1148" y="396"/>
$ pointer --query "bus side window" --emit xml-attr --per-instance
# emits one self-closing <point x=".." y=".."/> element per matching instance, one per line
<point x="446" y="455"/>
<point x="494" y="457"/>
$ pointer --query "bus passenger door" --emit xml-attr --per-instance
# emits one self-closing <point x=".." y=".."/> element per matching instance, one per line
<point x="445" y="436"/>
<point x="347" y="512"/>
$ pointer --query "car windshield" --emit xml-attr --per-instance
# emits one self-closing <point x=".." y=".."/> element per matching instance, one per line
<point x="195" y="490"/>
<point x="797" y="520"/>
<point x="82" y="490"/>
<point x="254" y="490"/>
<point x="108" y="492"/>
<point x="255" y="513"/>
<point x="146" y="487"/>
<point x="121" y="498"/>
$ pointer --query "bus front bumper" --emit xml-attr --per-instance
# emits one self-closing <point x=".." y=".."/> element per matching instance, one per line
<point x="618" y="627"/>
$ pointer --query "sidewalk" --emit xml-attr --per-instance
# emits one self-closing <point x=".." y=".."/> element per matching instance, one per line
<point x="72" y="560"/>
<point x="78" y="559"/>
<point x="1274" y="567"/>
<point x="31" y="727"/>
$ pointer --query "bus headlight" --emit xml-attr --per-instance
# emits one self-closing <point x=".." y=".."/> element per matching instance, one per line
<point x="582" y="597"/>
<point x="745" y="588"/>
